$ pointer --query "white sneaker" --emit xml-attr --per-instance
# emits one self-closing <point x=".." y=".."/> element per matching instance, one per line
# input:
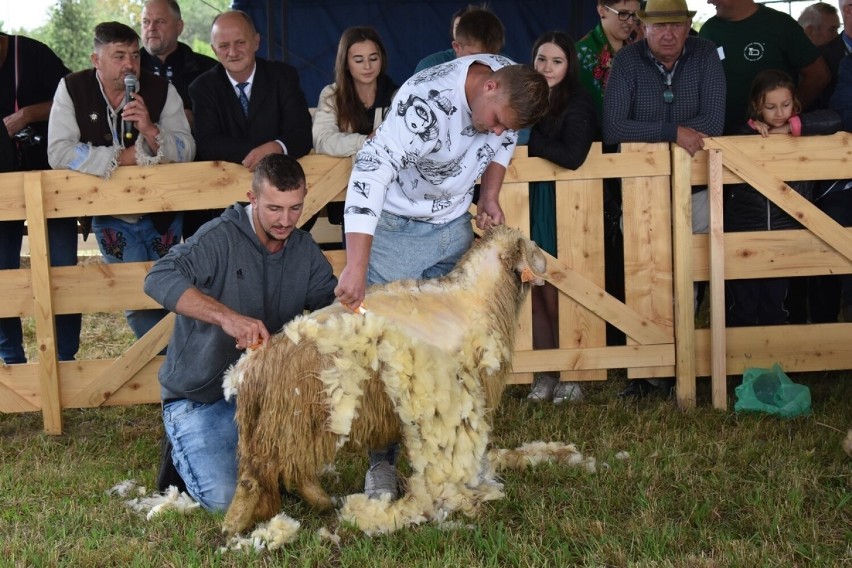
<point x="381" y="479"/>
<point x="567" y="391"/>
<point x="542" y="389"/>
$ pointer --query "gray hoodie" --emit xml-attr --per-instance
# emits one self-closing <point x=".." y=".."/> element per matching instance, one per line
<point x="226" y="261"/>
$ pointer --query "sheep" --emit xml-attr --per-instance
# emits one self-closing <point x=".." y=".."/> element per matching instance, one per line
<point x="424" y="363"/>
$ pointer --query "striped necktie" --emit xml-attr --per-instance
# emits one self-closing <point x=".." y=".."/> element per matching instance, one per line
<point x="243" y="97"/>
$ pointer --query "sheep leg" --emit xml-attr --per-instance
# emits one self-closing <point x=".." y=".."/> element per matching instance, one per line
<point x="313" y="493"/>
<point x="241" y="512"/>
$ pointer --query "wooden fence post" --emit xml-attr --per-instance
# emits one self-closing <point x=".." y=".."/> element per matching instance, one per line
<point x="48" y="368"/>
<point x="684" y="310"/>
<point x="718" y="335"/>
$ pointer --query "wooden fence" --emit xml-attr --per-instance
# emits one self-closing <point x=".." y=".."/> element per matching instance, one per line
<point x="662" y="260"/>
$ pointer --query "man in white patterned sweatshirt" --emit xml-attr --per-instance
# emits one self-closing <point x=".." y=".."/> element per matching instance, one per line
<point x="406" y="213"/>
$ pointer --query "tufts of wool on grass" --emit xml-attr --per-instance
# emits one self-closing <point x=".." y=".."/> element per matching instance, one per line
<point x="125" y="488"/>
<point x="325" y="534"/>
<point x="534" y="453"/>
<point x="156" y="503"/>
<point x="622" y="455"/>
<point x="272" y="535"/>
<point x="847" y="444"/>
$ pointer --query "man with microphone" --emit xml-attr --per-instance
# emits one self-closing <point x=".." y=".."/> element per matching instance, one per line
<point x="114" y="115"/>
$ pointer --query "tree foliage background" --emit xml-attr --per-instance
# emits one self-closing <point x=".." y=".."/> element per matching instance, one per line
<point x="70" y="25"/>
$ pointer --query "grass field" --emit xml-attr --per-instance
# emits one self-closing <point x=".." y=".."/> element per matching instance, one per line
<point x="701" y="488"/>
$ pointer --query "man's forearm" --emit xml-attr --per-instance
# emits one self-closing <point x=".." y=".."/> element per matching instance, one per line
<point x="196" y="305"/>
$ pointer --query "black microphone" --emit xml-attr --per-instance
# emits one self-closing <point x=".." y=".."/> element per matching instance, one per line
<point x="129" y="89"/>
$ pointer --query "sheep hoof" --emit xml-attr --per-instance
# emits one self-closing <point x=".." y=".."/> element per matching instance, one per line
<point x="315" y="496"/>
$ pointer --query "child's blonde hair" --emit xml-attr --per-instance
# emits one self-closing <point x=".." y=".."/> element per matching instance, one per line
<point x="769" y="80"/>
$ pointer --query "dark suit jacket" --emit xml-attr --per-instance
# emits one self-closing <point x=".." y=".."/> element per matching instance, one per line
<point x="832" y="52"/>
<point x="277" y="111"/>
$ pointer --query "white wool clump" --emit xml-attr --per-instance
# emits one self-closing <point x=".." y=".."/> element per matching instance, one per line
<point x="381" y="516"/>
<point x="325" y="534"/>
<point x="847" y="444"/>
<point x="124" y="488"/>
<point x="234" y="375"/>
<point x="280" y="530"/>
<point x="622" y="455"/>
<point x="157" y="503"/>
<point x="231" y="381"/>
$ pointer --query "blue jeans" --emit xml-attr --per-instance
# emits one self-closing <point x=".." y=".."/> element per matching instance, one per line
<point x="204" y="449"/>
<point x="405" y="248"/>
<point x="62" y="242"/>
<point x="121" y="241"/>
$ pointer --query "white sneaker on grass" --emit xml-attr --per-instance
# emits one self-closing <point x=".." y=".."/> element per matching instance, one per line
<point x="542" y="388"/>
<point x="567" y="391"/>
<point x="381" y="479"/>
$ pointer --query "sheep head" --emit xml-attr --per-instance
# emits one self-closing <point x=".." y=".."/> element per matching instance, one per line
<point x="526" y="259"/>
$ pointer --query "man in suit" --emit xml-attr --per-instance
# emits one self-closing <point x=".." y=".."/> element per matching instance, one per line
<point x="246" y="107"/>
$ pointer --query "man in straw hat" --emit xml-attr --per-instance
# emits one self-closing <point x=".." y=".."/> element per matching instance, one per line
<point x="668" y="87"/>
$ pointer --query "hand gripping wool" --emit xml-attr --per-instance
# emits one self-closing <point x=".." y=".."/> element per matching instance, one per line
<point x="424" y="365"/>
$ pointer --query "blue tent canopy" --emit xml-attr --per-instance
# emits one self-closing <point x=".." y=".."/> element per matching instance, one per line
<point x="305" y="32"/>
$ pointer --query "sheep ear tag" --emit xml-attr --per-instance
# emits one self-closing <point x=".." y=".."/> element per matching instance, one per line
<point x="527" y="275"/>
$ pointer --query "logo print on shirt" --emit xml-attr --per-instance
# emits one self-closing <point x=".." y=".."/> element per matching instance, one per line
<point x="753" y="51"/>
<point x="439" y="202"/>
<point x="362" y="188"/>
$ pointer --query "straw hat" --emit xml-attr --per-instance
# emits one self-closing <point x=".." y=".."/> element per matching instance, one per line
<point x="665" y="11"/>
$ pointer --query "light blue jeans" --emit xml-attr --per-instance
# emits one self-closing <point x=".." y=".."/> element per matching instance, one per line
<point x="405" y="248"/>
<point x="204" y="449"/>
<point x="121" y="241"/>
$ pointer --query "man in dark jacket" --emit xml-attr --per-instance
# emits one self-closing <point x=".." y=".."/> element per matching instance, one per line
<point x="246" y="107"/>
<point x="162" y="54"/>
<point x="239" y="277"/>
<point x="29" y="73"/>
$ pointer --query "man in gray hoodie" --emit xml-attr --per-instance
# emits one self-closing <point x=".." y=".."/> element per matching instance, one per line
<point x="240" y="277"/>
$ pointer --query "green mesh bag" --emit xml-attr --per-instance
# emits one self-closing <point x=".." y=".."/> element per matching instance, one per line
<point x="772" y="391"/>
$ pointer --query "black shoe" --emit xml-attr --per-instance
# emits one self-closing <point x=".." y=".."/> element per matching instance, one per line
<point x="168" y="475"/>
<point x="637" y="388"/>
<point x="640" y="388"/>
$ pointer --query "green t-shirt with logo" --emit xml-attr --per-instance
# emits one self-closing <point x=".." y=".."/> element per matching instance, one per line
<point x="768" y="39"/>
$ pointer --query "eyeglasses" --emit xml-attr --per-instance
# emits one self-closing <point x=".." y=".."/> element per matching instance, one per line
<point x="623" y="16"/>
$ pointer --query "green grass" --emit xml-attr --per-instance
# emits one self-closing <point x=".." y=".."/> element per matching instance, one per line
<point x="700" y="488"/>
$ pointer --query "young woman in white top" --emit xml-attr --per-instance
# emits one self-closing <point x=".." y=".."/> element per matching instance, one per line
<point x="352" y="107"/>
